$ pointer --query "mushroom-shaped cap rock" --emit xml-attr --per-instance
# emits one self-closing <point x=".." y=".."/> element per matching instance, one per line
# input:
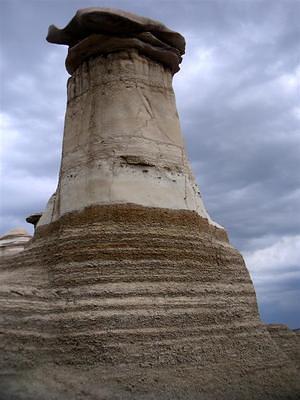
<point x="110" y="21"/>
<point x="34" y="218"/>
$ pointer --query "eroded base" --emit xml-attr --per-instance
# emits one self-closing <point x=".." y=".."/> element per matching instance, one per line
<point x="126" y="301"/>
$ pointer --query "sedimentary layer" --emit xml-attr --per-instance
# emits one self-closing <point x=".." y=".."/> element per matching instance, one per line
<point x="287" y="340"/>
<point x="13" y="242"/>
<point x="126" y="292"/>
<point x="145" y="44"/>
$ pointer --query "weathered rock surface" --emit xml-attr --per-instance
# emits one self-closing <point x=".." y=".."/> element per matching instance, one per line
<point x="128" y="146"/>
<point x="287" y="340"/>
<point x="34" y="219"/>
<point x="95" y="31"/>
<point x="123" y="301"/>
<point x="112" y="21"/>
<point x="128" y="290"/>
<point x="13" y="242"/>
<point x="103" y="44"/>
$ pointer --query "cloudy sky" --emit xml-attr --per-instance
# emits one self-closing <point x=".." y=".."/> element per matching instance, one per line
<point x="238" y="100"/>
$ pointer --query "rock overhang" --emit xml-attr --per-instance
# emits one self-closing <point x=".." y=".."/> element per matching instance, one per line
<point x="95" y="31"/>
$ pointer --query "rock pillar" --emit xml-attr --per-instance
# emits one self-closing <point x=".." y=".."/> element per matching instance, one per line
<point x="122" y="139"/>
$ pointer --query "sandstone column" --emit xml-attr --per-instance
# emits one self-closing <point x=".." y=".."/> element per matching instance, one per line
<point x="122" y="138"/>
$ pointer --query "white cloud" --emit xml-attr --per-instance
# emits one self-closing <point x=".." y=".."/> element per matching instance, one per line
<point x="8" y="134"/>
<point x="290" y="82"/>
<point x="275" y="271"/>
<point x="199" y="76"/>
<point x="31" y="133"/>
<point x="268" y="93"/>
<point x="296" y="112"/>
<point x="277" y="256"/>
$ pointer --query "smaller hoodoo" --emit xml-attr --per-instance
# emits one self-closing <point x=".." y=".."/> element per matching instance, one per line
<point x="13" y="242"/>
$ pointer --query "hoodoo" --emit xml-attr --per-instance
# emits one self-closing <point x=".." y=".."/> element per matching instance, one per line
<point x="128" y="290"/>
<point x="13" y="242"/>
<point x="128" y="146"/>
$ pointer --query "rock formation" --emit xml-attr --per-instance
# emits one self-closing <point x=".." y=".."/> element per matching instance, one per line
<point x="13" y="242"/>
<point x="287" y="340"/>
<point x="128" y="289"/>
<point x="128" y="147"/>
<point x="34" y="219"/>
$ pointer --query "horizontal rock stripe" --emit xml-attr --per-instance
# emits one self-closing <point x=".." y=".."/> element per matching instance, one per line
<point x="147" y="288"/>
